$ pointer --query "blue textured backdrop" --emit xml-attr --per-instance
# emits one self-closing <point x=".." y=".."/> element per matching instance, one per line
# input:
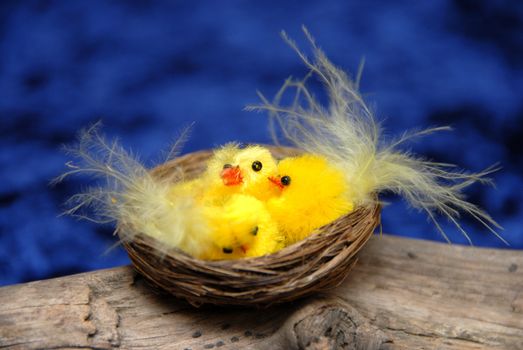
<point x="148" y="68"/>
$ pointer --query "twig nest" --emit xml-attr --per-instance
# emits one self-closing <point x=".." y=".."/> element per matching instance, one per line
<point x="319" y="262"/>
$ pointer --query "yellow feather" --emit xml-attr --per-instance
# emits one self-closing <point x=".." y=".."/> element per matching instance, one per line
<point x="315" y="196"/>
<point x="346" y="134"/>
<point x="137" y="201"/>
<point x="177" y="216"/>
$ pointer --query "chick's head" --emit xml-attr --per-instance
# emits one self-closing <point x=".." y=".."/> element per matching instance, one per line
<point x="312" y="193"/>
<point x="210" y="187"/>
<point x="236" y="225"/>
<point x="221" y="158"/>
<point x="249" y="170"/>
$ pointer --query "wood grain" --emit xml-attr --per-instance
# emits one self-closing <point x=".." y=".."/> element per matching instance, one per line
<point x="402" y="294"/>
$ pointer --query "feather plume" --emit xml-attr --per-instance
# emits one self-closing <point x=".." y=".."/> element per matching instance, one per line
<point x="348" y="135"/>
<point x="132" y="197"/>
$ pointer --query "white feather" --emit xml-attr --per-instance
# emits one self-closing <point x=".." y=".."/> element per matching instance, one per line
<point x="348" y="135"/>
<point x="132" y="197"/>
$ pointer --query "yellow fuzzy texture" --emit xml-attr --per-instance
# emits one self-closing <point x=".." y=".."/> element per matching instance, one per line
<point x="231" y="213"/>
<point x="137" y="201"/>
<point x="316" y="195"/>
<point x="235" y="212"/>
<point x="255" y="182"/>
<point x="346" y="133"/>
<point x="184" y="215"/>
<point x="209" y="187"/>
<point x="348" y="161"/>
<point x="244" y="227"/>
<point x="176" y="220"/>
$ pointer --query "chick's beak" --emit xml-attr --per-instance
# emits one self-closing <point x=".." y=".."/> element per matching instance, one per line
<point x="231" y="176"/>
<point x="275" y="180"/>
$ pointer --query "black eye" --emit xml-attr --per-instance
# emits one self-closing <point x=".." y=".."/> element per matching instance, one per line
<point x="254" y="231"/>
<point x="257" y="165"/>
<point x="226" y="166"/>
<point x="285" y="180"/>
<point x="227" y="250"/>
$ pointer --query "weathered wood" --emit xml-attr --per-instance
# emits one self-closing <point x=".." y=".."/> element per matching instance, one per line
<point x="402" y="294"/>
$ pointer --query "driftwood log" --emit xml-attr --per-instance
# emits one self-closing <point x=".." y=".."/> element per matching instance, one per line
<point x="402" y="294"/>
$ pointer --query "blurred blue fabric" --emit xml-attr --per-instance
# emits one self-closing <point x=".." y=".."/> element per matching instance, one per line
<point x="146" y="69"/>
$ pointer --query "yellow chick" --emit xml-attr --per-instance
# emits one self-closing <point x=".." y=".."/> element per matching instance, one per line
<point x="232" y="170"/>
<point x="209" y="186"/>
<point x="242" y="227"/>
<point x="312" y="194"/>
<point x="248" y="171"/>
<point x="228" y="193"/>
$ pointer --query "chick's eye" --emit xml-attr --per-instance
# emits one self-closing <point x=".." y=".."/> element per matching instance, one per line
<point x="257" y="165"/>
<point x="227" y="250"/>
<point x="226" y="166"/>
<point x="285" y="180"/>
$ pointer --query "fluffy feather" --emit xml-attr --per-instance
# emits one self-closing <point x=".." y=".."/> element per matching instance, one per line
<point x="134" y="199"/>
<point x="346" y="133"/>
<point x="314" y="195"/>
<point x="175" y="215"/>
<point x="209" y="187"/>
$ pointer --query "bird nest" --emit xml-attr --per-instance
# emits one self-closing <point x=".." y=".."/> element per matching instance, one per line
<point x="319" y="262"/>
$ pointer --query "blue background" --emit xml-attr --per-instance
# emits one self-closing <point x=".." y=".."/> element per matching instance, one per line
<point x="147" y="69"/>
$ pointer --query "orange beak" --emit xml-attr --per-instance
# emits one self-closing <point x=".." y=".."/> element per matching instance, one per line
<point x="276" y="181"/>
<point x="231" y="176"/>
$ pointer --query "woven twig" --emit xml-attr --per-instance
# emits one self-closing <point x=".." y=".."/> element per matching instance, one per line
<point x="320" y="262"/>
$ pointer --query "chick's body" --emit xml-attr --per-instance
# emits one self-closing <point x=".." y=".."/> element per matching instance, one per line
<point x="313" y="193"/>
<point x="230" y="196"/>
<point x="241" y="227"/>
<point x="176" y="221"/>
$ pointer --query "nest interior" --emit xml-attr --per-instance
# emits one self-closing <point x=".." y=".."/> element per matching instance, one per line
<point x="319" y="262"/>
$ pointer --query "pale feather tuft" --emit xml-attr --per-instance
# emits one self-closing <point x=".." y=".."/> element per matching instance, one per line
<point x="347" y="134"/>
<point x="132" y="197"/>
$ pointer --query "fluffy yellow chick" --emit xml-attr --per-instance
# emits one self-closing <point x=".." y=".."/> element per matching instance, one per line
<point x="233" y="170"/>
<point x="210" y="187"/>
<point x="312" y="194"/>
<point x="248" y="172"/>
<point x="230" y="191"/>
<point x="242" y="227"/>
